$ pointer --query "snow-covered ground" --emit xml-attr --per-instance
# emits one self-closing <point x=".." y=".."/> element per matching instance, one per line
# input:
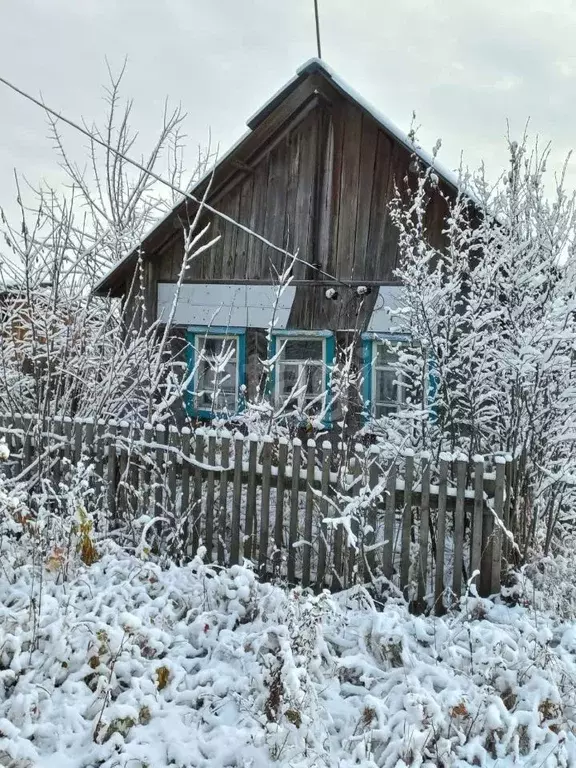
<point x="127" y="664"/>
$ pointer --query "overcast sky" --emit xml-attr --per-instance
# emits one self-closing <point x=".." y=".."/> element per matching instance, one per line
<point x="464" y="66"/>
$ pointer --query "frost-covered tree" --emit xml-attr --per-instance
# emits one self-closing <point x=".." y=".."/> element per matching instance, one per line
<point x="63" y="351"/>
<point x="491" y="318"/>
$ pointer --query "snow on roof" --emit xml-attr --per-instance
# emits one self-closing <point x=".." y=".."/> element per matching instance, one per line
<point x="315" y="65"/>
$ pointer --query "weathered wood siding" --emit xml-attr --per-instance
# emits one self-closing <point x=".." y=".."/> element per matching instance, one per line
<point x="319" y="187"/>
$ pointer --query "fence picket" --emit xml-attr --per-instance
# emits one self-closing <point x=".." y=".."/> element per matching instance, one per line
<point x="210" y="496"/>
<point x="308" y="511"/>
<point x="265" y="506"/>
<point x="146" y="469"/>
<point x="323" y="507"/>
<point x="172" y="461"/>
<point x="250" y="520"/>
<point x="18" y="440"/>
<point x="497" y="530"/>
<point x="279" y="521"/>
<point x="123" y="463"/>
<point x="476" y="533"/>
<point x="197" y="500"/>
<point x="111" y="469"/>
<point x="372" y="517"/>
<point x="294" y="509"/>
<point x="424" y="529"/>
<point x="54" y="442"/>
<point x="351" y="576"/>
<point x="441" y="536"/>
<point x="155" y="470"/>
<point x="406" y="524"/>
<point x="236" y="500"/>
<point x="459" y="526"/>
<point x="99" y="451"/>
<point x="160" y="472"/>
<point x="78" y="431"/>
<point x="29" y="424"/>
<point x="389" y="521"/>
<point x="185" y="490"/>
<point x="223" y="496"/>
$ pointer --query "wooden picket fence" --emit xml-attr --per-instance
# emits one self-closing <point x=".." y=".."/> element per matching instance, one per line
<point x="425" y="528"/>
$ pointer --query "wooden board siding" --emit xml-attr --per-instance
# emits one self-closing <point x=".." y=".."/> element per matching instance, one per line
<point x="320" y="186"/>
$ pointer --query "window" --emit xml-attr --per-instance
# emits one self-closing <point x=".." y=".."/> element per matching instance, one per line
<point x="382" y="382"/>
<point x="216" y="356"/>
<point x="386" y="392"/>
<point x="301" y="374"/>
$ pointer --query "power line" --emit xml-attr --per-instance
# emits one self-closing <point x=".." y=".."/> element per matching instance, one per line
<point x="169" y="184"/>
<point x="317" y="18"/>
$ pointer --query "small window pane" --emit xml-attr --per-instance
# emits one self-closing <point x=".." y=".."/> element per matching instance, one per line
<point x="385" y="410"/>
<point x="386" y="389"/>
<point x="314" y="384"/>
<point x="385" y="355"/>
<point x="302" y="349"/>
<point x="288" y="378"/>
<point x="216" y="385"/>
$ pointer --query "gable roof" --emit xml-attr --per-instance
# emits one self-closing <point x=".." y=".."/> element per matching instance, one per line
<point x="112" y="281"/>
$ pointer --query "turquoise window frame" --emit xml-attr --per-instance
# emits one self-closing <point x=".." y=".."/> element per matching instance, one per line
<point x="232" y="332"/>
<point x="329" y="354"/>
<point x="368" y="352"/>
<point x="369" y="340"/>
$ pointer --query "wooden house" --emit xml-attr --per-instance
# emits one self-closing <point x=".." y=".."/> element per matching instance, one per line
<point x="313" y="175"/>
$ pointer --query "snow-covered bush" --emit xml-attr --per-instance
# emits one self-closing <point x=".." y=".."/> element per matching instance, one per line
<point x="127" y="663"/>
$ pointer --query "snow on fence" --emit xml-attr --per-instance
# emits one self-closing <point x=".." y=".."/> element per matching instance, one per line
<point x="426" y="528"/>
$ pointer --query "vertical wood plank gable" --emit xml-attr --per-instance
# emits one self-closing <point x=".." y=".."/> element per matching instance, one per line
<point x="305" y="197"/>
<point x="244" y="211"/>
<point x="350" y="176"/>
<point x="361" y="266"/>
<point x="381" y="190"/>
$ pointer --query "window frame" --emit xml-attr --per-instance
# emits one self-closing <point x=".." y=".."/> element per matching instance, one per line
<point x="232" y="333"/>
<point x="370" y="343"/>
<point x="328" y="355"/>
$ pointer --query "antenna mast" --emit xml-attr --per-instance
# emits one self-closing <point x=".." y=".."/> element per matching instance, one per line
<point x="317" y="17"/>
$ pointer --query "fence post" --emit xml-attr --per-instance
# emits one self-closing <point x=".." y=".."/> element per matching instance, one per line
<point x="265" y="506"/>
